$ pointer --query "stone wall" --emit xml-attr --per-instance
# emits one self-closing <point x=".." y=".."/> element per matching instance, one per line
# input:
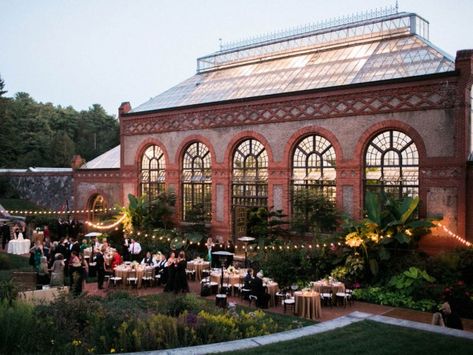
<point x="49" y="190"/>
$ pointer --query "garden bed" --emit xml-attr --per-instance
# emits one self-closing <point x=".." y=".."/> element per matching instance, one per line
<point x="124" y="323"/>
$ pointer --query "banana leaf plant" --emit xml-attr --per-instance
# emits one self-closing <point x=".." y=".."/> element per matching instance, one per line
<point x="389" y="224"/>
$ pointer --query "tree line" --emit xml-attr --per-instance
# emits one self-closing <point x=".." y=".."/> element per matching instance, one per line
<point x="44" y="135"/>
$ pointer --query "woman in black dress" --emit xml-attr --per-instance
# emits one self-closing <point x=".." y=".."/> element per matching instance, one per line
<point x="170" y="271"/>
<point x="181" y="277"/>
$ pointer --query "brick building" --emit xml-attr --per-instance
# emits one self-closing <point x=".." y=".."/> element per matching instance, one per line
<point x="362" y="104"/>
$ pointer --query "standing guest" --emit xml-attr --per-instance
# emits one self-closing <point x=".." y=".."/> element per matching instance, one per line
<point x="16" y="231"/>
<point x="210" y="245"/>
<point x="5" y="232"/>
<point x="100" y="267"/>
<point x="83" y="246"/>
<point x="75" y="273"/>
<point x="181" y="284"/>
<point x="74" y="246"/>
<point x="43" y="271"/>
<point x="148" y="260"/>
<point x="135" y="250"/>
<point x="247" y="280"/>
<point x="37" y="252"/>
<point x="125" y="245"/>
<point x="106" y="245"/>
<point x="170" y="270"/>
<point x="57" y="271"/>
<point x="257" y="289"/>
<point x="116" y="260"/>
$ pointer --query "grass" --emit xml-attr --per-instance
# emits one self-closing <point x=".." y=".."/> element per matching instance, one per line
<point x="10" y="263"/>
<point x="368" y="337"/>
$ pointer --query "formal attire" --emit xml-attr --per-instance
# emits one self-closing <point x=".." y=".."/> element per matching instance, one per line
<point x="100" y="267"/>
<point x="5" y="235"/>
<point x="57" y="273"/>
<point x="135" y="251"/>
<point x="180" y="278"/>
<point x="170" y="270"/>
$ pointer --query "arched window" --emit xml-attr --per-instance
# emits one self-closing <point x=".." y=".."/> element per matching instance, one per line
<point x="152" y="173"/>
<point x="96" y="206"/>
<point x="392" y="165"/>
<point x="250" y="175"/>
<point x="196" y="183"/>
<point x="313" y="166"/>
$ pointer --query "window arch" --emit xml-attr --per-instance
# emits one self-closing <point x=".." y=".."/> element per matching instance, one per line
<point x="392" y="165"/>
<point x="152" y="172"/>
<point x="96" y="205"/>
<point x="197" y="183"/>
<point x="313" y="166"/>
<point x="250" y="175"/>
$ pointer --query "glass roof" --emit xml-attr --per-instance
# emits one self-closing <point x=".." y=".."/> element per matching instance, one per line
<point x="396" y="56"/>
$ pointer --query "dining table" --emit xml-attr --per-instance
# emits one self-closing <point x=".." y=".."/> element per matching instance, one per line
<point x="272" y="288"/>
<point x="19" y="246"/>
<point x="307" y="304"/>
<point x="198" y="265"/>
<point x="127" y="270"/>
<point x="323" y="286"/>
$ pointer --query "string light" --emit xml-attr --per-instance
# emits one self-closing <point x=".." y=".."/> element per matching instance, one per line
<point x="104" y="227"/>
<point x="36" y="212"/>
<point x="453" y="235"/>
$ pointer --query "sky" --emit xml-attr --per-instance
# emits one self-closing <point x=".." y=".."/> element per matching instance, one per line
<point x="80" y="53"/>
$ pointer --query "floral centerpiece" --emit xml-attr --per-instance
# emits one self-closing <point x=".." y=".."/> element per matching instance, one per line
<point x="231" y="269"/>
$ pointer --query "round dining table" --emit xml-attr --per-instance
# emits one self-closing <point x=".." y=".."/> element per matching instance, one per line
<point x="198" y="265"/>
<point x="124" y="271"/>
<point x="308" y="304"/>
<point x="19" y="246"/>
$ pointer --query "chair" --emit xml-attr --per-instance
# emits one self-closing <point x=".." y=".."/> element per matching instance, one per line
<point x="280" y="297"/>
<point x="115" y="280"/>
<point x="326" y="296"/>
<point x="252" y="298"/>
<point x="226" y="286"/>
<point x="190" y="274"/>
<point x="288" y="303"/>
<point x="148" y="278"/>
<point x="131" y="279"/>
<point x="237" y="288"/>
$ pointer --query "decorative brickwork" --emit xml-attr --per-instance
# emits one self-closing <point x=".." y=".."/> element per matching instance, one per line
<point x="434" y="96"/>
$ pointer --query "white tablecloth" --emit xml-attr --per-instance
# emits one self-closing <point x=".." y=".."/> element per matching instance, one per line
<point x="19" y="246"/>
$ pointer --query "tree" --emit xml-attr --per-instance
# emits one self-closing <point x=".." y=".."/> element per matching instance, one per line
<point x="313" y="212"/>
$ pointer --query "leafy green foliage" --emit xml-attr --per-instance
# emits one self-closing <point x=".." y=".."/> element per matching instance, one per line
<point x="388" y="297"/>
<point x="266" y="225"/>
<point x="313" y="212"/>
<point x="41" y="134"/>
<point x="124" y="323"/>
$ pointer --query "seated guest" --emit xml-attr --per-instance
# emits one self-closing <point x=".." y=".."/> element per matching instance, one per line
<point x="116" y="260"/>
<point x="258" y="290"/>
<point x="160" y="266"/>
<point x="57" y="271"/>
<point x="247" y="280"/>
<point x="447" y="318"/>
<point x="148" y="260"/>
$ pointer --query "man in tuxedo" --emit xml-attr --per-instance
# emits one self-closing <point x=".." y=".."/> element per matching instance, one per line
<point x="125" y="245"/>
<point x="258" y="290"/>
<point x="5" y="232"/>
<point x="100" y="267"/>
<point x="135" y="250"/>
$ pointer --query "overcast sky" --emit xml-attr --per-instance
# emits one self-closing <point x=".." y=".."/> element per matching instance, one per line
<point x="108" y="51"/>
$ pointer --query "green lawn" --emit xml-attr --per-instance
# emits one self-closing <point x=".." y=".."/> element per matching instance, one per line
<point x="369" y="337"/>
